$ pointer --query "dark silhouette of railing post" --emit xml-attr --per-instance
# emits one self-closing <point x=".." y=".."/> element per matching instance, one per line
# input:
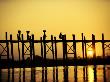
<point x="52" y="47"/>
<point x="55" y="50"/>
<point x="7" y="46"/>
<point x="12" y="50"/>
<point x="66" y="57"/>
<point x="44" y="42"/>
<point x="74" y="47"/>
<point x="33" y="50"/>
<point x="93" y="46"/>
<point x="83" y="45"/>
<point x="19" y="38"/>
<point x="64" y="49"/>
<point x="103" y="49"/>
<point x="42" y="51"/>
<point x="22" y="50"/>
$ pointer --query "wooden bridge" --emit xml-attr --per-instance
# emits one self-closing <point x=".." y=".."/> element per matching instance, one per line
<point x="45" y="48"/>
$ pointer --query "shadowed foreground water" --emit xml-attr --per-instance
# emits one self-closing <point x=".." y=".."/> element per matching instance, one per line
<point x="99" y="73"/>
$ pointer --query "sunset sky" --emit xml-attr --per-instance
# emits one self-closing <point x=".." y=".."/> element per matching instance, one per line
<point x="67" y="16"/>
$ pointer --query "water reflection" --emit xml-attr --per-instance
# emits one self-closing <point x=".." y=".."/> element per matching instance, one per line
<point x="91" y="73"/>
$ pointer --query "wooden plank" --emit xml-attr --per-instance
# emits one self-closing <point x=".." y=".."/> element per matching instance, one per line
<point x="58" y="41"/>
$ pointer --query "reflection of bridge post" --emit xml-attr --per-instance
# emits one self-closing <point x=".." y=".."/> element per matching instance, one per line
<point x="65" y="70"/>
<point x="12" y="74"/>
<point x="45" y="74"/>
<point x="75" y="73"/>
<point x="56" y="74"/>
<point x="8" y="74"/>
<point x="33" y="72"/>
<point x="20" y="75"/>
<point x="104" y="73"/>
<point x="23" y="74"/>
<point x="42" y="74"/>
<point x="84" y="74"/>
<point x="95" y="73"/>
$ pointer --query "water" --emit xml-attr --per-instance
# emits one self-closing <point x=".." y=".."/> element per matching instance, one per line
<point x="99" y="73"/>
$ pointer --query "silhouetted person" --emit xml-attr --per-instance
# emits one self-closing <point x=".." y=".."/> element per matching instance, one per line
<point x="60" y="35"/>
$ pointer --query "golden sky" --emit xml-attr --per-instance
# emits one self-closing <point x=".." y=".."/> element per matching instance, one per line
<point x="67" y="16"/>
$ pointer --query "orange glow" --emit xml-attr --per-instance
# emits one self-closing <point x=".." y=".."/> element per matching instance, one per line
<point x="90" y="52"/>
<point x="90" y="74"/>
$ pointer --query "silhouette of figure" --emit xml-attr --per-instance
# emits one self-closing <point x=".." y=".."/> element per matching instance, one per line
<point x="60" y="35"/>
